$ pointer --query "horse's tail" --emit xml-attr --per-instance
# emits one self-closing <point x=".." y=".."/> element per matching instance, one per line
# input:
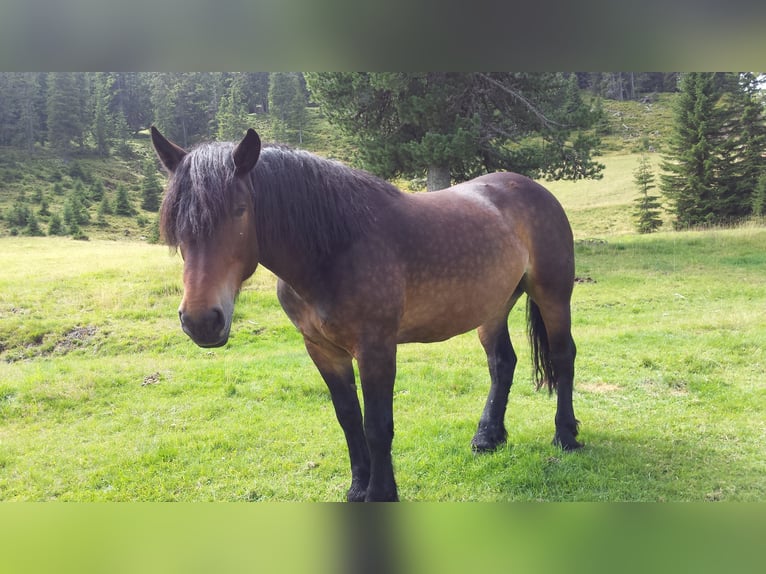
<point x="542" y="366"/>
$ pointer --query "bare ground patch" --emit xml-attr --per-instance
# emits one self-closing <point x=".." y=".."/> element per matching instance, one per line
<point x="75" y="339"/>
<point x="599" y="388"/>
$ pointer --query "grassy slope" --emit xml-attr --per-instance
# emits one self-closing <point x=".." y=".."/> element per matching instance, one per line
<point x="102" y="397"/>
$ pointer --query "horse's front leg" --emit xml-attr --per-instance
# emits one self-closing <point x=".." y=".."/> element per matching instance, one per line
<point x="377" y="371"/>
<point x="338" y="373"/>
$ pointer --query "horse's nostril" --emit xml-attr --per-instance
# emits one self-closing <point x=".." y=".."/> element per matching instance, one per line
<point x="207" y="328"/>
<point x="217" y="321"/>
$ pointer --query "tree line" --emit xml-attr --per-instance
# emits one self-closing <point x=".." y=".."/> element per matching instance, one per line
<point x="99" y="112"/>
<point x="444" y="127"/>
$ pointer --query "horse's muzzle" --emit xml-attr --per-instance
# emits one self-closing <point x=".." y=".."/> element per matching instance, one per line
<point x="207" y="329"/>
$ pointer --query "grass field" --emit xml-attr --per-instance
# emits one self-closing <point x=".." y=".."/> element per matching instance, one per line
<point x="102" y="397"/>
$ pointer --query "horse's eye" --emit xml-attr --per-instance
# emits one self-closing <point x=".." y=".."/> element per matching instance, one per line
<point x="239" y="212"/>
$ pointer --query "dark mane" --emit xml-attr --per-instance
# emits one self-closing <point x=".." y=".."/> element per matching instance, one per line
<point x="315" y="203"/>
<point x="197" y="194"/>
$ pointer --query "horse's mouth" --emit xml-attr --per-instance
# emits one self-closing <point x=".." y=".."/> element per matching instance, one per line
<point x="208" y="343"/>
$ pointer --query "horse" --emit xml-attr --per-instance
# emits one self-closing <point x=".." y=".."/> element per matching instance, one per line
<point x="363" y="267"/>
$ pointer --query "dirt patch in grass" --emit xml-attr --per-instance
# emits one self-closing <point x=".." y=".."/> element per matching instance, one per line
<point x="74" y="339"/>
<point x="600" y="388"/>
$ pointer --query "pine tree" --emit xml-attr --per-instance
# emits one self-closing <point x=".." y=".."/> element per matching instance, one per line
<point x="759" y="197"/>
<point x="646" y="206"/>
<point x="55" y="225"/>
<point x="151" y="190"/>
<point x="97" y="190"/>
<point x="287" y="105"/>
<point x="184" y="104"/>
<point x="751" y="141"/>
<point x="122" y="204"/>
<point x="105" y="208"/>
<point x="154" y="231"/>
<point x="75" y="211"/>
<point x="232" y="116"/>
<point x="689" y="178"/>
<point x="33" y="226"/>
<point x="44" y="211"/>
<point x="18" y="215"/>
<point x="454" y="126"/>
<point x="64" y="111"/>
<point x="716" y="151"/>
<point x="103" y="121"/>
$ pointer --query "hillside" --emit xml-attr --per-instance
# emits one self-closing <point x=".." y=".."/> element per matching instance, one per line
<point x="600" y="207"/>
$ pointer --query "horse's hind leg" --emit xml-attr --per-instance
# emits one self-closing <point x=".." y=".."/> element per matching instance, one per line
<point x="501" y="359"/>
<point x="561" y="354"/>
<point x="338" y="373"/>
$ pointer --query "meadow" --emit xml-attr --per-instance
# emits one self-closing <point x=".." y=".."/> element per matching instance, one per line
<point x="103" y="398"/>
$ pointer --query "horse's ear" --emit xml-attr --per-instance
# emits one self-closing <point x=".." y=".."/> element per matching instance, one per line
<point x="169" y="153"/>
<point x="246" y="153"/>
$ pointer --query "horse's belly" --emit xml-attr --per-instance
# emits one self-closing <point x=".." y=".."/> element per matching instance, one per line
<point x="441" y="312"/>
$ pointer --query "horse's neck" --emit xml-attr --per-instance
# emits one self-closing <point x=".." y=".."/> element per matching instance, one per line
<point x="288" y="263"/>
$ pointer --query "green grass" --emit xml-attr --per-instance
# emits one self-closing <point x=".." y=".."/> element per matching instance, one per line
<point x="102" y="397"/>
<point x="603" y="207"/>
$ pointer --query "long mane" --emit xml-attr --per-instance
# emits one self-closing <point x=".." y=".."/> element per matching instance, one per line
<point x="314" y="203"/>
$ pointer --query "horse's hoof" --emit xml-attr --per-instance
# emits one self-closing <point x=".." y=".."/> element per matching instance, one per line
<point x="356" y="494"/>
<point x="566" y="444"/>
<point x="383" y="497"/>
<point x="484" y="443"/>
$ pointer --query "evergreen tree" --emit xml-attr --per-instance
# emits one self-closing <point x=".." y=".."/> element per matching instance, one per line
<point x="64" y="111"/>
<point x="287" y="105"/>
<point x="151" y="190"/>
<point x="132" y="102"/>
<point x="256" y="86"/>
<point x="184" y="105"/>
<point x="759" y="197"/>
<point x="80" y="192"/>
<point x="751" y="141"/>
<point x="689" y="178"/>
<point x="232" y="115"/>
<point x="44" y="211"/>
<point x="121" y="131"/>
<point x="55" y="225"/>
<point x="18" y="214"/>
<point x="75" y="211"/>
<point x="104" y="208"/>
<point x="96" y="190"/>
<point x="122" y="204"/>
<point x="154" y="231"/>
<point x="33" y="226"/>
<point x="715" y="151"/>
<point x="646" y="206"/>
<point x="76" y="232"/>
<point x="454" y="126"/>
<point x="103" y="120"/>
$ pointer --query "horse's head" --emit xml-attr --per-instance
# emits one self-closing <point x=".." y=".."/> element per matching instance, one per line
<point x="208" y="215"/>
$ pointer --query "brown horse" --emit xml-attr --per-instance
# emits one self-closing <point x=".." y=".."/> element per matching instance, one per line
<point x="363" y="267"/>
